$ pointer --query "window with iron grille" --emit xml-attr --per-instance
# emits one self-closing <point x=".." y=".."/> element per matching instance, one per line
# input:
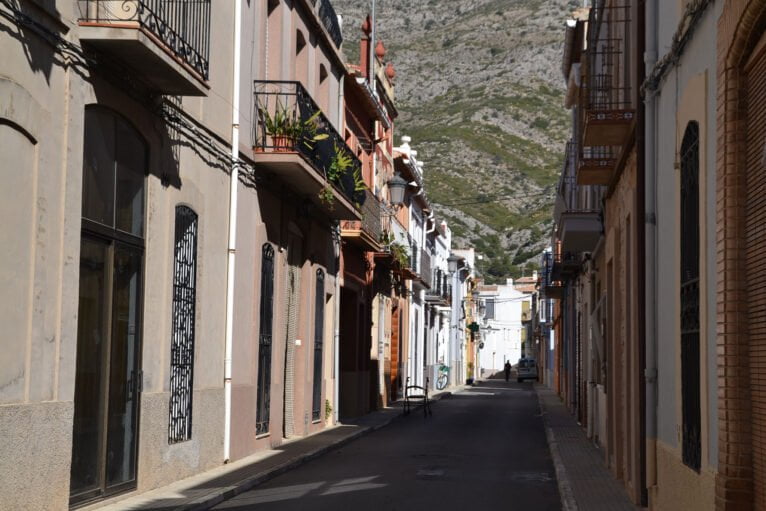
<point x="316" y="402"/>
<point x="690" y="300"/>
<point x="182" y="348"/>
<point x="263" y="390"/>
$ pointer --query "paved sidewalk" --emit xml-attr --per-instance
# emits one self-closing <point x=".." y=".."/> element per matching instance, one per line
<point x="210" y="488"/>
<point x="584" y="481"/>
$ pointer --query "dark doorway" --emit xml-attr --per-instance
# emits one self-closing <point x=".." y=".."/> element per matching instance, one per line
<point x="108" y="376"/>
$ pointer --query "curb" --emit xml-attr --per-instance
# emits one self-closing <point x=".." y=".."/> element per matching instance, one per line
<point x="222" y="494"/>
<point x="568" y="502"/>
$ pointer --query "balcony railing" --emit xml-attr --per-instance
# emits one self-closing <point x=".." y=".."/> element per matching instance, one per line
<point x="182" y="26"/>
<point x="608" y="96"/>
<point x="330" y="21"/>
<point x="440" y="290"/>
<point x="287" y="119"/>
<point x="370" y="226"/>
<point x="551" y="287"/>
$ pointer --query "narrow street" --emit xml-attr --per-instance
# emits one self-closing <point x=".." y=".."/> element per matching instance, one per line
<point x="482" y="448"/>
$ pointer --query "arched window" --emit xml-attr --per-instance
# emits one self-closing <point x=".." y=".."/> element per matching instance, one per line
<point x="316" y="406"/>
<point x="182" y="347"/>
<point x="263" y="390"/>
<point x="108" y="373"/>
<point x="690" y="298"/>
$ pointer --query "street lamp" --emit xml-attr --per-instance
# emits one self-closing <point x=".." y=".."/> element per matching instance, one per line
<point x="452" y="261"/>
<point x="396" y="187"/>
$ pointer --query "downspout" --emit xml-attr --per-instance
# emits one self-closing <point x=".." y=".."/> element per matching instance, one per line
<point x="336" y="336"/>
<point x="337" y="251"/>
<point x="650" y="166"/>
<point x="232" y="242"/>
<point x="641" y="237"/>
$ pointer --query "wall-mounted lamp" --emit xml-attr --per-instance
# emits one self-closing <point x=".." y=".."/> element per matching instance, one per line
<point x="397" y="187"/>
<point x="452" y="262"/>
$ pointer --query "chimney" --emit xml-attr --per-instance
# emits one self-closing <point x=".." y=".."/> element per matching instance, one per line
<point x="364" y="47"/>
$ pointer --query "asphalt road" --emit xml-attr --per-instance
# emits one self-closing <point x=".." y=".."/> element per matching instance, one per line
<point x="482" y="449"/>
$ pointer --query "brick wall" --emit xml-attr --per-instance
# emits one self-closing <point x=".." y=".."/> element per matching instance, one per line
<point x="738" y="30"/>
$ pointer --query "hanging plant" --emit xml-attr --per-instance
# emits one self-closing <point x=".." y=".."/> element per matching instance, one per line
<point x="339" y="164"/>
<point x="327" y="197"/>
<point x="400" y="254"/>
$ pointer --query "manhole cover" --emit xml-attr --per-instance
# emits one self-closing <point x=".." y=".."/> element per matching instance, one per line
<point x="531" y="477"/>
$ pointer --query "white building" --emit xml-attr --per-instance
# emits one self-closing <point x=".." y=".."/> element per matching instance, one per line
<point x="501" y="326"/>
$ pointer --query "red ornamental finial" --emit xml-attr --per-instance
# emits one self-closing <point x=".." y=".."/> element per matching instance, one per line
<point x="380" y="50"/>
<point x="390" y="71"/>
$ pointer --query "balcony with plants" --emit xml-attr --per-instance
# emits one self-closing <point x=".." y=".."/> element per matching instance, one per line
<point x="163" y="43"/>
<point x="607" y="112"/>
<point x="295" y="141"/>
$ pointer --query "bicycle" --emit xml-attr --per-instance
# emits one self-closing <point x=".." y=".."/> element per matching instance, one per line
<point x="443" y="378"/>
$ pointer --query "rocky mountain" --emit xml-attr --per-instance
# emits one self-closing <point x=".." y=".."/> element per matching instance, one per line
<point x="479" y="90"/>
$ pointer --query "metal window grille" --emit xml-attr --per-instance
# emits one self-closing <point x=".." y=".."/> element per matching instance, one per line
<point x="690" y="300"/>
<point x="182" y="347"/>
<point x="264" y="341"/>
<point x="316" y="402"/>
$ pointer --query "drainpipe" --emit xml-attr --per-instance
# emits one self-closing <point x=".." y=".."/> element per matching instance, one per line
<point x="650" y="373"/>
<point x="232" y="243"/>
<point x="336" y="337"/>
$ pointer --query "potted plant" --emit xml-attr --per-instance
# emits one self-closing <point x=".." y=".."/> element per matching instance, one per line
<point x="285" y="128"/>
<point x="280" y="127"/>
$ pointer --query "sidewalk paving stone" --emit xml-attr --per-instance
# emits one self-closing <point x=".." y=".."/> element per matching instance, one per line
<point x="584" y="481"/>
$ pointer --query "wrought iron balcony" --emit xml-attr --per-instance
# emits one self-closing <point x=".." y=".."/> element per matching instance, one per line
<point x="579" y="226"/>
<point x="597" y="166"/>
<point x="296" y="141"/>
<point x="439" y="292"/>
<point x="551" y="287"/>
<point x="165" y="43"/>
<point x="366" y="233"/>
<point x="330" y="21"/>
<point x="608" y="98"/>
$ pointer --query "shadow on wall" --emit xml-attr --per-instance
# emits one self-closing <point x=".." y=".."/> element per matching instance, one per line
<point x="43" y="43"/>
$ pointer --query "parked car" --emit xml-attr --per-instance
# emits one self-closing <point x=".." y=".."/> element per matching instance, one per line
<point x="526" y="369"/>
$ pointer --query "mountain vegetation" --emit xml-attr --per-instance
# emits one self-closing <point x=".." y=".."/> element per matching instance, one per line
<point x="479" y="90"/>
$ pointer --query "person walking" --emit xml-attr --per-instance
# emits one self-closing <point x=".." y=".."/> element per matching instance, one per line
<point x="507" y="370"/>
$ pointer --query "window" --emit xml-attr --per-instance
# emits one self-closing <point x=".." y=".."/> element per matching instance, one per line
<point x="316" y="401"/>
<point x="490" y="309"/>
<point x="263" y="390"/>
<point x="182" y="347"/>
<point x="108" y="375"/>
<point x="690" y="314"/>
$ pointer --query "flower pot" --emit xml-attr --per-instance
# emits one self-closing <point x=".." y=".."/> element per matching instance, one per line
<point x="282" y="144"/>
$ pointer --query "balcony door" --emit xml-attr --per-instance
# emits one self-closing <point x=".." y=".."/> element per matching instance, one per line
<point x="108" y="376"/>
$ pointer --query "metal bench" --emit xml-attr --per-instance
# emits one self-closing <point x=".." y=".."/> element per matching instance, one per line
<point x="414" y="395"/>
